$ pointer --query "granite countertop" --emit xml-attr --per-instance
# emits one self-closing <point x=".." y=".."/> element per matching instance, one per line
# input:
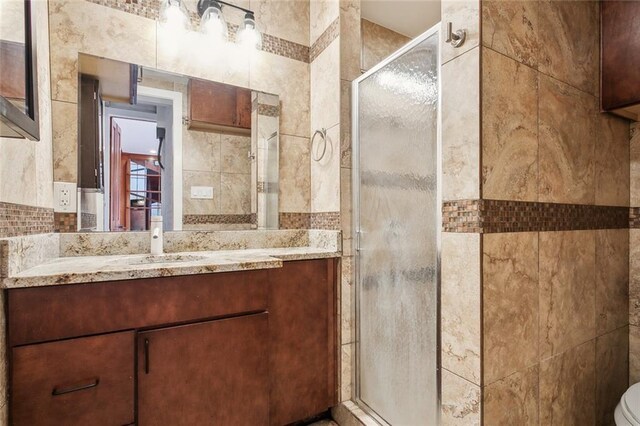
<point x="87" y="269"/>
<point x="51" y="259"/>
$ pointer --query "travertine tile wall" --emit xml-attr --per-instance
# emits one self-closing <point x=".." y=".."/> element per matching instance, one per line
<point x="378" y="42"/>
<point x="554" y="304"/>
<point x="139" y="39"/>
<point x="460" y="299"/>
<point x="26" y="166"/>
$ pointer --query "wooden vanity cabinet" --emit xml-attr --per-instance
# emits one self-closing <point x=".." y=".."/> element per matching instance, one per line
<point x="219" y="107"/>
<point x="620" y="57"/>
<point x="250" y="347"/>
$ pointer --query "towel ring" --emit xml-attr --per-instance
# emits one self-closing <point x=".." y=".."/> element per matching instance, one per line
<point x="323" y="134"/>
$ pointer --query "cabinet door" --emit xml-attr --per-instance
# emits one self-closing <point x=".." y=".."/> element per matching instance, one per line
<point x="302" y="355"/>
<point x="620" y="47"/>
<point x="208" y="373"/>
<point x="86" y="381"/>
<point x="243" y="108"/>
<point x="212" y="103"/>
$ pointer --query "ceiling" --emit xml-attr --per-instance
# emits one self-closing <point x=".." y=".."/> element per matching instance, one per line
<point x="138" y="137"/>
<point x="408" y="17"/>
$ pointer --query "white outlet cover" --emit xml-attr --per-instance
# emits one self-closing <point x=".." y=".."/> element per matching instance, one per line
<point x="64" y="197"/>
<point x="202" y="192"/>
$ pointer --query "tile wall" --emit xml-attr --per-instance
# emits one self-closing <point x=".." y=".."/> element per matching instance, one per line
<point x="634" y="261"/>
<point x="378" y="42"/>
<point x="554" y="303"/>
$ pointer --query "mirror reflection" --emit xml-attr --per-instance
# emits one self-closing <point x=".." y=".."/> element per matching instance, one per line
<point x="13" y="53"/>
<point x="201" y="154"/>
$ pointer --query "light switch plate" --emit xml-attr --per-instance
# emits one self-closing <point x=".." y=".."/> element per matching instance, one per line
<point x="64" y="197"/>
<point x="202" y="192"/>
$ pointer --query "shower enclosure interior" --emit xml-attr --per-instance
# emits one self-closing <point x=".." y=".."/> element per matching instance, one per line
<point x="396" y="189"/>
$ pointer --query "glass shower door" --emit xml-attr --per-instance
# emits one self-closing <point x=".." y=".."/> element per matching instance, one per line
<point x="397" y="222"/>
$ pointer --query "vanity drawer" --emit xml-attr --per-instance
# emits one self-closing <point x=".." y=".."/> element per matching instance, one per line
<point x="85" y="381"/>
<point x="49" y="313"/>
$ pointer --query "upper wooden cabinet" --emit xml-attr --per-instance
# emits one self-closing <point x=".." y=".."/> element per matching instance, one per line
<point x="620" y="56"/>
<point x="217" y="106"/>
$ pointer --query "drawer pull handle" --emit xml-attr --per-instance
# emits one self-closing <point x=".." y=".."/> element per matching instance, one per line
<point x="61" y="391"/>
<point x="146" y="356"/>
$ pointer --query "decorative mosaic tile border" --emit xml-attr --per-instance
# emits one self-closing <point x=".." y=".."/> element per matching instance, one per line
<point x="150" y="9"/>
<point x="325" y="39"/>
<point x="219" y="219"/>
<point x="268" y="110"/>
<point x="65" y="222"/>
<point x="18" y="219"/>
<point x="634" y="218"/>
<point x="88" y="221"/>
<point x="497" y="216"/>
<point x="320" y="220"/>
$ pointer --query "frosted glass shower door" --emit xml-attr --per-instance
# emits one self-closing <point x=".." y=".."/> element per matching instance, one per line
<point x="397" y="221"/>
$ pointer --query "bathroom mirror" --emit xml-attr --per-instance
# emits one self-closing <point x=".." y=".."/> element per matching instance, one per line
<point x="18" y="75"/>
<point x="202" y="154"/>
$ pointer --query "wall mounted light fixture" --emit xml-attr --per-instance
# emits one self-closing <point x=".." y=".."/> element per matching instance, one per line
<point x="212" y="22"/>
<point x="174" y="15"/>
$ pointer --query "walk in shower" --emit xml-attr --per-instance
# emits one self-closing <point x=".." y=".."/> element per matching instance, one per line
<point x="397" y="222"/>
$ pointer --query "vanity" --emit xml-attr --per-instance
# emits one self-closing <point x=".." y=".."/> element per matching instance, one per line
<point x="231" y="337"/>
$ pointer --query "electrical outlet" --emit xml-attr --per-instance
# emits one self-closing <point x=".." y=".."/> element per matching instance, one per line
<point x="64" y="197"/>
<point x="202" y="192"/>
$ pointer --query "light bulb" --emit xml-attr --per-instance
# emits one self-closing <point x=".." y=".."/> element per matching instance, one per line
<point x="213" y="23"/>
<point x="249" y="37"/>
<point x="173" y="15"/>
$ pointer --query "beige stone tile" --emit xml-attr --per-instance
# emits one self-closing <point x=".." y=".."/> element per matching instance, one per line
<point x="346" y="366"/>
<point x="74" y="28"/>
<point x="65" y="141"/>
<point x="17" y="171"/>
<point x="44" y="148"/>
<point x="510" y="303"/>
<point x="325" y="88"/>
<point x="612" y="279"/>
<point x="285" y="19"/>
<point x="513" y="400"/>
<point x="567" y="290"/>
<point x="634" y="354"/>
<point x="464" y="14"/>
<point x="460" y="305"/>
<point x="345" y="124"/>
<point x="569" y="42"/>
<point x="345" y="203"/>
<point x="461" y="404"/>
<point x="200" y="206"/>
<point x="509" y="129"/>
<point x="567" y="387"/>
<point x="378" y="42"/>
<point x="235" y="193"/>
<point x="511" y="28"/>
<point x="234" y="151"/>
<point x="634" y="277"/>
<point x="295" y="178"/>
<point x="566" y="143"/>
<point x="347" y="307"/>
<point x="461" y="127"/>
<point x="612" y="379"/>
<point x="635" y="165"/>
<point x="200" y="151"/>
<point x="350" y="36"/>
<point x="289" y="79"/>
<point x="612" y="156"/>
<point x="325" y="175"/>
<point x="321" y="14"/>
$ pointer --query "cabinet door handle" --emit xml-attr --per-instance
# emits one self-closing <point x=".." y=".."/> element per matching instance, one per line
<point x="146" y="356"/>
<point x="61" y="391"/>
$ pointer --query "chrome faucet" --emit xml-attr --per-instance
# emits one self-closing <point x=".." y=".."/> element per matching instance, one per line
<point x="156" y="235"/>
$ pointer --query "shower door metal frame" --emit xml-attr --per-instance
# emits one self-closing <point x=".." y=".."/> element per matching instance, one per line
<point x="355" y="185"/>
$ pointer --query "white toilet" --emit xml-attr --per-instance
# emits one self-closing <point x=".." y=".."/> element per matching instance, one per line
<point x="628" y="409"/>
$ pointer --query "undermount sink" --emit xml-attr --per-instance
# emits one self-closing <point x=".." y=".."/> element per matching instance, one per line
<point x="163" y="258"/>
